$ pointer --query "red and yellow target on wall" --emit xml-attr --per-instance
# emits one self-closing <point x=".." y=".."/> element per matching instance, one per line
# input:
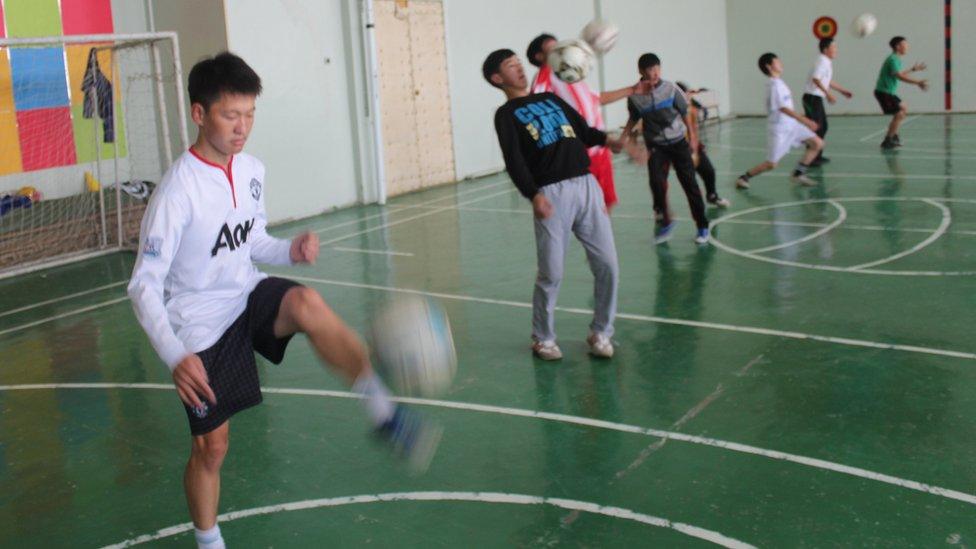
<point x="825" y="27"/>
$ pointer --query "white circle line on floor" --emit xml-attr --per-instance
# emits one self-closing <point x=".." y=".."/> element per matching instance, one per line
<point x="863" y="268"/>
<point x="481" y="497"/>
<point x="564" y="418"/>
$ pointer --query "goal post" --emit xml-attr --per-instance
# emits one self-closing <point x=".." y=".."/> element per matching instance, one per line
<point x="88" y="126"/>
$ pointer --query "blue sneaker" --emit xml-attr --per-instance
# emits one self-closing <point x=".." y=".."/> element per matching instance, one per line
<point x="663" y="233"/>
<point x="411" y="437"/>
<point x="702" y="237"/>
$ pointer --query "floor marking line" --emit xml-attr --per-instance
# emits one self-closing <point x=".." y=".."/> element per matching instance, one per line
<point x="400" y="208"/>
<point x="64" y="315"/>
<point x="480" y="497"/>
<point x="852" y="175"/>
<point x="841" y="217"/>
<point x="414" y="217"/>
<point x="575" y="420"/>
<point x="848" y="270"/>
<point x="904" y="123"/>
<point x="365" y="251"/>
<point x="63" y="298"/>
<point x="937" y="234"/>
<point x="664" y="320"/>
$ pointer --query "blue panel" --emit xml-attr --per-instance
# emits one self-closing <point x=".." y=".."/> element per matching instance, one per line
<point x="40" y="81"/>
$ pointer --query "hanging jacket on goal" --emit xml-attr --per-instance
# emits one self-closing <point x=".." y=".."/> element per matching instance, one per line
<point x="98" y="88"/>
<point x="202" y="232"/>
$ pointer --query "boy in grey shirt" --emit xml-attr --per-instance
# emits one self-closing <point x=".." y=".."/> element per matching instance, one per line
<point x="664" y="113"/>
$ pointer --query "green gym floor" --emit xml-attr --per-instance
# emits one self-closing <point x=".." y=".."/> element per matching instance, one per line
<point x="807" y="380"/>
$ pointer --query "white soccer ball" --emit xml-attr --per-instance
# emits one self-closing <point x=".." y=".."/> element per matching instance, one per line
<point x="571" y="60"/>
<point x="414" y="348"/>
<point x="600" y="35"/>
<point x="864" y="25"/>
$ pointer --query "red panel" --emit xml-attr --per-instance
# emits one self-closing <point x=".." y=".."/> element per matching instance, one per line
<point x="46" y="138"/>
<point x="3" y="24"/>
<point x="86" y="16"/>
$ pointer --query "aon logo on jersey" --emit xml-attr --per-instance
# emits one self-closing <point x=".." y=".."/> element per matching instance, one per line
<point x="232" y="239"/>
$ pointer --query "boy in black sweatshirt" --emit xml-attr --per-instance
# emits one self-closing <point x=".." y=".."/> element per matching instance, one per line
<point x="544" y="142"/>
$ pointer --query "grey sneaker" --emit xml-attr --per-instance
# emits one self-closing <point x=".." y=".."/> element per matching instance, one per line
<point x="600" y="345"/>
<point x="802" y="179"/>
<point x="546" y="350"/>
<point x="742" y="183"/>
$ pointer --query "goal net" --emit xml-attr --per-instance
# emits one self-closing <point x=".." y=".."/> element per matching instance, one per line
<point x="88" y="125"/>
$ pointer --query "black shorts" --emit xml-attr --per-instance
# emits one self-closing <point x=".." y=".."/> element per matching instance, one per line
<point x="890" y="104"/>
<point x="230" y="363"/>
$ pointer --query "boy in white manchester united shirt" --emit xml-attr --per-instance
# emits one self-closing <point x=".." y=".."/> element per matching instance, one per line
<point x="786" y="128"/>
<point x="206" y="308"/>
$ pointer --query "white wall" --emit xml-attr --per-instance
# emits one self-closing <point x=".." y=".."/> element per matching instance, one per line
<point x="303" y="130"/>
<point x="688" y="35"/>
<point x="786" y="28"/>
<point x="692" y="49"/>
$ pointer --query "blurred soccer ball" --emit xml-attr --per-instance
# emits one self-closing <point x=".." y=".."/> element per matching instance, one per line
<point x="571" y="60"/>
<point x="600" y="35"/>
<point x="414" y="348"/>
<point x="864" y="25"/>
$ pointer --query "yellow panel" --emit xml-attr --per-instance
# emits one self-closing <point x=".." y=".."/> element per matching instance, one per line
<point x="9" y="138"/>
<point x="78" y="63"/>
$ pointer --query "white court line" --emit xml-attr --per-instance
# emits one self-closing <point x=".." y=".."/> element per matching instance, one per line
<point x="481" y="497"/>
<point x="63" y="298"/>
<point x="404" y="207"/>
<point x="564" y="418"/>
<point x="662" y="320"/>
<point x="415" y="217"/>
<point x="841" y="217"/>
<point x="851" y="175"/>
<point x="364" y="251"/>
<point x="63" y="315"/>
<point x="860" y="269"/>
<point x="878" y="156"/>
<point x="946" y="220"/>
<point x="904" y="123"/>
<point x="846" y="227"/>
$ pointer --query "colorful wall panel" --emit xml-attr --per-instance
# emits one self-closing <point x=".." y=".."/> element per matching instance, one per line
<point x="42" y="123"/>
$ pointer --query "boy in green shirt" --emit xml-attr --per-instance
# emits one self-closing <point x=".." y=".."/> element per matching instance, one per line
<point x="884" y="91"/>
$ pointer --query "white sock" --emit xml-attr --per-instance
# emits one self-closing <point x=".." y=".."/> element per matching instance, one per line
<point x="378" y="404"/>
<point x="209" y="539"/>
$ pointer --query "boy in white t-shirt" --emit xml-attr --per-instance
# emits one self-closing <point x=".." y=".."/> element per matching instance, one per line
<point x="787" y="129"/>
<point x="819" y="86"/>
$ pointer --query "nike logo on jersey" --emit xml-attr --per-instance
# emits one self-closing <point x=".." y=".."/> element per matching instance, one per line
<point x="232" y="239"/>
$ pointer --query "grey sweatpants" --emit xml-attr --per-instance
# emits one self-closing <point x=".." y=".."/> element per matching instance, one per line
<point x="578" y="209"/>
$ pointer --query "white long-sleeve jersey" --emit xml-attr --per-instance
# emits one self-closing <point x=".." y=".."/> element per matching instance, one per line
<point x="201" y="234"/>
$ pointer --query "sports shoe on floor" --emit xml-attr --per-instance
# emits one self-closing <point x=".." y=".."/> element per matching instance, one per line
<point x="546" y="350"/>
<point x="888" y="144"/>
<point x="412" y="438"/>
<point x="802" y="179"/>
<point x="896" y="139"/>
<point x="702" y="237"/>
<point x="718" y="201"/>
<point x="742" y="183"/>
<point x="663" y="233"/>
<point x="600" y="345"/>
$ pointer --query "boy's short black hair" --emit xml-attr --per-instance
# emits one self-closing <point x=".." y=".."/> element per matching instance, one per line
<point x="493" y="63"/>
<point x="222" y="73"/>
<point x="895" y="41"/>
<point x="535" y="47"/>
<point x="647" y="61"/>
<point x="765" y="60"/>
<point x="825" y="43"/>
